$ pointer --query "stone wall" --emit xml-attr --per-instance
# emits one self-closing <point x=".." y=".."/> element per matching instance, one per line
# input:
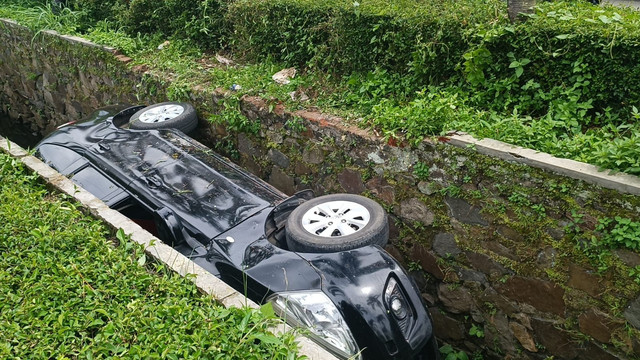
<point x="49" y="79"/>
<point x="501" y="250"/>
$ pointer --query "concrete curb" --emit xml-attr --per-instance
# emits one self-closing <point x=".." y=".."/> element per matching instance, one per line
<point x="155" y="248"/>
<point x="621" y="182"/>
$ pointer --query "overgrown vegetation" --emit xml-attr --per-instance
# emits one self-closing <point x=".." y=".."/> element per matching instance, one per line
<point x="611" y="234"/>
<point x="68" y="289"/>
<point x="620" y="233"/>
<point x="563" y="82"/>
<point x="450" y="353"/>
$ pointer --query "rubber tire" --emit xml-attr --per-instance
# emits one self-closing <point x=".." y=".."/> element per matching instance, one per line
<point x="376" y="232"/>
<point x="185" y="122"/>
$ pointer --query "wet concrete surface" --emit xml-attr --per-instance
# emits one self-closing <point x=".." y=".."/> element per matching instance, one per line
<point x="18" y="132"/>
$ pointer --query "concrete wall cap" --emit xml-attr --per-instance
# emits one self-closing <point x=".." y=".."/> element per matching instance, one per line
<point x="621" y="182"/>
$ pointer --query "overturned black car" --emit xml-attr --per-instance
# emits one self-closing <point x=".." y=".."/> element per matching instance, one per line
<point x="319" y="261"/>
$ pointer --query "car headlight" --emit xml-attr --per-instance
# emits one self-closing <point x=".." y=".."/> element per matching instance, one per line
<point x="315" y="311"/>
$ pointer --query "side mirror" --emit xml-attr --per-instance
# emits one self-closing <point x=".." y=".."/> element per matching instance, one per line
<point x="169" y="228"/>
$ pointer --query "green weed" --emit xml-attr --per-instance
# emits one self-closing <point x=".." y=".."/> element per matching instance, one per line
<point x="449" y="353"/>
<point x="421" y="171"/>
<point x="232" y="119"/>
<point x="414" y="266"/>
<point x="619" y="232"/>
<point x="452" y="190"/>
<point x="476" y="331"/>
<point x="295" y="124"/>
<point x="634" y="273"/>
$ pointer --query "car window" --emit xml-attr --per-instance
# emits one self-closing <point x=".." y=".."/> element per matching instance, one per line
<point x="61" y="158"/>
<point x="97" y="184"/>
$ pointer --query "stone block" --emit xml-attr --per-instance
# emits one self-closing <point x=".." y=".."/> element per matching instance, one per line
<point x="487" y="265"/>
<point x="599" y="325"/>
<point x="238" y="300"/>
<point x="313" y="155"/>
<point x="446" y="328"/>
<point x="465" y="212"/>
<point x="632" y="313"/>
<point x="585" y="280"/>
<point x="301" y="168"/>
<point x="510" y="233"/>
<point x="558" y="342"/>
<point x="351" y="181"/>
<point x="498" y="333"/>
<point x="499" y="249"/>
<point x="543" y="295"/>
<point x="310" y="349"/>
<point x="213" y="286"/>
<point x="635" y="345"/>
<point x="379" y="186"/>
<point x="282" y="181"/>
<point x="523" y="336"/>
<point x="427" y="260"/>
<point x="591" y="351"/>
<point x="630" y="258"/>
<point x="249" y="163"/>
<point x="245" y="145"/>
<point x="414" y="210"/>
<point x="547" y="257"/>
<point x="275" y="136"/>
<point x="456" y="299"/>
<point x="279" y="158"/>
<point x="491" y="297"/>
<point x="40" y="167"/>
<point x="428" y="188"/>
<point x="444" y="244"/>
<point x="471" y="277"/>
<point x="12" y="148"/>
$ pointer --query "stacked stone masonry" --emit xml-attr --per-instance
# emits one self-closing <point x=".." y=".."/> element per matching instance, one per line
<point x="498" y="248"/>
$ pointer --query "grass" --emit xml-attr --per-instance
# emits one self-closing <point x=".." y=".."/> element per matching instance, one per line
<point x="69" y="289"/>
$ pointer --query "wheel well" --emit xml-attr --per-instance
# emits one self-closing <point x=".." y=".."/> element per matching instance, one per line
<point x="275" y="226"/>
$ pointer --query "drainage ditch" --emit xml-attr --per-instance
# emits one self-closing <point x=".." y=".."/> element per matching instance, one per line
<point x="18" y="132"/>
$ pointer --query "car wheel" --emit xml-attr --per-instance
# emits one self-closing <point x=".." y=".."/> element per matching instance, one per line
<point x="337" y="222"/>
<point x="166" y="115"/>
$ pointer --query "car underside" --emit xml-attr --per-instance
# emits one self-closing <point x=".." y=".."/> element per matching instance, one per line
<point x="319" y="260"/>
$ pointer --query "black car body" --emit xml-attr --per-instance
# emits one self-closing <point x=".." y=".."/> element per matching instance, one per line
<point x="357" y="302"/>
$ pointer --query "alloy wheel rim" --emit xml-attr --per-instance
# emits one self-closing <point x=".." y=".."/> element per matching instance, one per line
<point x="161" y="113"/>
<point x="336" y="218"/>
